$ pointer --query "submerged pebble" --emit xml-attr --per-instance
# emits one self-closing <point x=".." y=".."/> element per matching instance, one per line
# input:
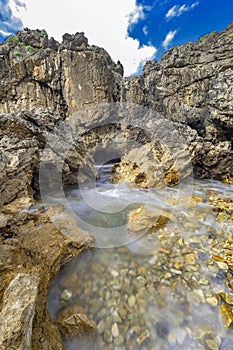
<point x="172" y="289"/>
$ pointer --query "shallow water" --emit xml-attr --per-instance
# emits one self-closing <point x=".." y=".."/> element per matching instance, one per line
<point x="153" y="290"/>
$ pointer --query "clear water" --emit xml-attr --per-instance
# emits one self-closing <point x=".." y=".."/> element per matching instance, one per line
<point x="151" y="290"/>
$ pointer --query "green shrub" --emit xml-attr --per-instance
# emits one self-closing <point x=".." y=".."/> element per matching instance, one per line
<point x="231" y="35"/>
<point x="43" y="32"/>
<point x="12" y="39"/>
<point x="30" y="49"/>
<point x="204" y="37"/>
<point x="17" y="53"/>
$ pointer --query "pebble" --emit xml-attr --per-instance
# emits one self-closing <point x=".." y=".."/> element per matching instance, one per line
<point x="137" y="330"/>
<point x="101" y="327"/>
<point x="190" y="259"/>
<point x="119" y="341"/>
<point x="172" y="338"/>
<point x="200" y="294"/>
<point x="167" y="276"/>
<point x="123" y="272"/>
<point x="178" y="264"/>
<point x="142" y="270"/>
<point x="204" y="281"/>
<point x="123" y="313"/>
<point x="66" y="295"/>
<point x="228" y="298"/>
<point x="139" y="282"/>
<point x="131" y="301"/>
<point x="222" y="265"/>
<point x="212" y="301"/>
<point x="212" y="345"/>
<point x="108" y="336"/>
<point x="115" y="330"/>
<point x="143" y="337"/>
<point x="227" y="315"/>
<point x="132" y="273"/>
<point x="114" y="273"/>
<point x="176" y="272"/>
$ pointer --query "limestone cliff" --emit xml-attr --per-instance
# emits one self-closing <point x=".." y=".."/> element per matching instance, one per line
<point x="193" y="85"/>
<point x="43" y="82"/>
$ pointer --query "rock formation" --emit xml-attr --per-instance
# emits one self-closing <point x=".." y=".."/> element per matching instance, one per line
<point x="74" y="96"/>
<point x="43" y="83"/>
<point x="193" y="85"/>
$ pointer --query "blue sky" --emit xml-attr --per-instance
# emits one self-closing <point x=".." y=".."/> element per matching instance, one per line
<point x="184" y="20"/>
<point x="131" y="31"/>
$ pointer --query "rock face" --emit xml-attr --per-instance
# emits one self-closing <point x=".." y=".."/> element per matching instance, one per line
<point x="19" y="303"/>
<point x="32" y="252"/>
<point x="43" y="83"/>
<point x="193" y="85"/>
<point x="37" y="72"/>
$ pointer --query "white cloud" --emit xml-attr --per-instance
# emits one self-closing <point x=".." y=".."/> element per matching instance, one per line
<point x="145" y="30"/>
<point x="9" y="23"/>
<point x="136" y="15"/>
<point x="169" y="37"/>
<point x="104" y="22"/>
<point x="178" y="10"/>
<point x="5" y="34"/>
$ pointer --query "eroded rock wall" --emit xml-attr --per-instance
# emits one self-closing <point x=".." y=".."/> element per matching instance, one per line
<point x="193" y="85"/>
<point x="37" y="72"/>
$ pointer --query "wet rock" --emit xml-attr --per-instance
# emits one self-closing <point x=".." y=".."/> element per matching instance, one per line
<point x="226" y="314"/>
<point x="131" y="301"/>
<point x="115" y="330"/>
<point x="139" y="282"/>
<point x="18" y="311"/>
<point x="212" y="344"/>
<point x="101" y="327"/>
<point x="228" y="298"/>
<point x="73" y="321"/>
<point x="172" y="338"/>
<point x="32" y="259"/>
<point x="66" y="295"/>
<point x="222" y="265"/>
<point x="119" y="341"/>
<point x="212" y="301"/>
<point x="123" y="312"/>
<point x="143" y="337"/>
<point x="142" y="219"/>
<point x="190" y="259"/>
<point x="114" y="273"/>
<point x="108" y="336"/>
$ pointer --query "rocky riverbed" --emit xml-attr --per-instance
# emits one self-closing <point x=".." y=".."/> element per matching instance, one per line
<point x="170" y="289"/>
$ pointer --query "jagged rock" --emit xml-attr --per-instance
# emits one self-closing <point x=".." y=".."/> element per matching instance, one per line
<point x="23" y="136"/>
<point x="73" y="322"/>
<point x="37" y="72"/>
<point x="32" y="252"/>
<point x="192" y="85"/>
<point x="74" y="42"/>
<point x="17" y="314"/>
<point x="146" y="219"/>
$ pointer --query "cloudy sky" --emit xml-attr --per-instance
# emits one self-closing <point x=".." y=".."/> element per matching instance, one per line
<point x="131" y="31"/>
